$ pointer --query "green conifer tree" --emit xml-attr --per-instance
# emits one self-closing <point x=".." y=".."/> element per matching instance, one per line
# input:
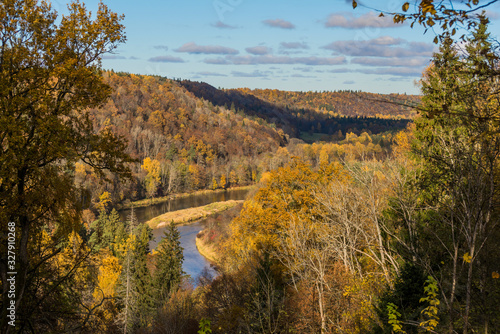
<point x="169" y="259"/>
<point x="142" y="277"/>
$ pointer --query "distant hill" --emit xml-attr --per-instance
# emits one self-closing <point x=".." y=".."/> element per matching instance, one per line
<point x="313" y="112"/>
<point x="343" y="103"/>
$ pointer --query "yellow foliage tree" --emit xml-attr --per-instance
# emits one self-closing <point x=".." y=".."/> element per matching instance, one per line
<point x="104" y="201"/>
<point x="223" y="181"/>
<point x="285" y="192"/>
<point x="153" y="178"/>
<point x="233" y="178"/>
<point x="105" y="291"/>
<point x="195" y="176"/>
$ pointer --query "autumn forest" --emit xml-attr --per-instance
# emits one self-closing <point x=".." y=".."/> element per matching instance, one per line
<point x="365" y="213"/>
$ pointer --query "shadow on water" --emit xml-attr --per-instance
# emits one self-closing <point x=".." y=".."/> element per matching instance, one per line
<point x="194" y="262"/>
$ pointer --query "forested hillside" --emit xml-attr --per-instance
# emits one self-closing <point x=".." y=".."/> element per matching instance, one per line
<point x="181" y="143"/>
<point x="343" y="103"/>
<point x="331" y="113"/>
<point x="188" y="136"/>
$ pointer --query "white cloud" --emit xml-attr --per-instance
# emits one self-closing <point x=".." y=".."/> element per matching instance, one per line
<point x="396" y="62"/>
<point x="369" y="20"/>
<point x="269" y="59"/>
<point x="279" y="23"/>
<point x="211" y="74"/>
<point x="254" y="74"/>
<point x="222" y="25"/>
<point x="302" y="76"/>
<point x="381" y="47"/>
<point x="294" y="45"/>
<point x="206" y="49"/>
<point x="258" y="50"/>
<point x="166" y="59"/>
<point x="398" y="71"/>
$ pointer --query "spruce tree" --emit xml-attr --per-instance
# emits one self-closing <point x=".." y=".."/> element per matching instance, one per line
<point x="142" y="277"/>
<point x="169" y="258"/>
<point x="107" y="231"/>
<point x="136" y="285"/>
<point x="127" y="291"/>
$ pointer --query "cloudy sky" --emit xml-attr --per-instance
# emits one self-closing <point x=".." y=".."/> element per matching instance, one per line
<point x="290" y="45"/>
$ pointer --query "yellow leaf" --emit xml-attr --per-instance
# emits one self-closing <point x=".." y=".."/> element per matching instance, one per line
<point x="495" y="275"/>
<point x="467" y="258"/>
<point x="354" y="4"/>
<point x="406" y="5"/>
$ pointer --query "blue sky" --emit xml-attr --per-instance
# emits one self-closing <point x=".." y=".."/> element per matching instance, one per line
<point x="289" y="45"/>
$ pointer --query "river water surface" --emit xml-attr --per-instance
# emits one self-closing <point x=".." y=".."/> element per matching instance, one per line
<point x="194" y="262"/>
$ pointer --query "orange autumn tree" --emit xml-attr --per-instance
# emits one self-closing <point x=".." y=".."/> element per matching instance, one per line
<point x="323" y="229"/>
<point x="285" y="193"/>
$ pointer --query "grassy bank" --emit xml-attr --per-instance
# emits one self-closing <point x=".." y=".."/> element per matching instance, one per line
<point x="207" y="251"/>
<point x="156" y="200"/>
<point x="211" y="240"/>
<point x="191" y="214"/>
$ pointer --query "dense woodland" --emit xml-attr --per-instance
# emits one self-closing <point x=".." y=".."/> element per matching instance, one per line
<point x="184" y="143"/>
<point x="389" y="224"/>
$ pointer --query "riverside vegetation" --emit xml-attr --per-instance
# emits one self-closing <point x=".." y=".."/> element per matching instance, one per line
<point x="389" y="224"/>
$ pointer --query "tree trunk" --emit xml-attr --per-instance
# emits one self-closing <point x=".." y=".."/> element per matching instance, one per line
<point x="320" y="289"/>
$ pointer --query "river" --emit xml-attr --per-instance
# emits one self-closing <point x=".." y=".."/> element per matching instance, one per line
<point x="146" y="213"/>
<point x="194" y="262"/>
